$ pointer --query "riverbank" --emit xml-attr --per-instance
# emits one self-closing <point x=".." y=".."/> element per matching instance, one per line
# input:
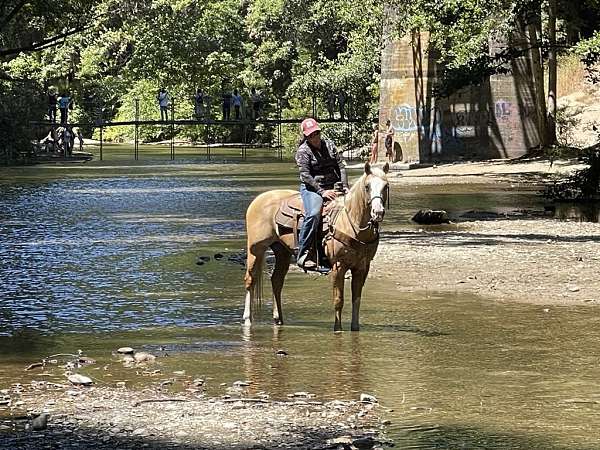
<point x="520" y="257"/>
<point x="50" y="415"/>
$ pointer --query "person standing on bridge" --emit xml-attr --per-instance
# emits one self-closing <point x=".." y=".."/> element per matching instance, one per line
<point x="64" y="104"/>
<point x="236" y="100"/>
<point x="52" y="102"/>
<point x="163" y="103"/>
<point x="320" y="167"/>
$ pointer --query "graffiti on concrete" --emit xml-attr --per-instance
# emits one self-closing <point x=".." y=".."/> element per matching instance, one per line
<point x="430" y="129"/>
<point x="503" y="109"/>
<point x="404" y="118"/>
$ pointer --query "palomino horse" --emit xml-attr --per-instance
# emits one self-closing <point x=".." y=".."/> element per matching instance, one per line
<point x="351" y="245"/>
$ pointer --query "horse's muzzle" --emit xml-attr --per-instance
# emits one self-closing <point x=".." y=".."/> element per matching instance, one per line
<point x="377" y="211"/>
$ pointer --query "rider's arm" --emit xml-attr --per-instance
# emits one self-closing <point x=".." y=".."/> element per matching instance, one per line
<point x="303" y="162"/>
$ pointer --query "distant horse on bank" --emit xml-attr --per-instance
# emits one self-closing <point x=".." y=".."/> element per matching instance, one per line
<point x="350" y="244"/>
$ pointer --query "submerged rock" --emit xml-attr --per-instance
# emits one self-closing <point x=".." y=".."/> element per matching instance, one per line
<point x="430" y="217"/>
<point x="125" y="351"/>
<point x="367" y="398"/>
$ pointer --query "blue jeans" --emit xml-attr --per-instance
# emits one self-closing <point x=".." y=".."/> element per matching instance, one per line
<point x="312" y="216"/>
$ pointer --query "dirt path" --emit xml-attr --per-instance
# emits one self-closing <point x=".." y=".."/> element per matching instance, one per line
<point x="529" y="259"/>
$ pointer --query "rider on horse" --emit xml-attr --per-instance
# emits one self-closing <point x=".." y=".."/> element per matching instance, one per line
<point x="320" y="168"/>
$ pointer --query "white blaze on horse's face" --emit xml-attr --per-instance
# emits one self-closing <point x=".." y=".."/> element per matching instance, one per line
<point x="377" y="191"/>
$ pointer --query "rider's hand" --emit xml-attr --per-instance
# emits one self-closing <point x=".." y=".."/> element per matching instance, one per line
<point x="329" y="194"/>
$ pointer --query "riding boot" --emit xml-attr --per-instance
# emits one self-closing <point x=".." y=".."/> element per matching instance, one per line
<point x="306" y="262"/>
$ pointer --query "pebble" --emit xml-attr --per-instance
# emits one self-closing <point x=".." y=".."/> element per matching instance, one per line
<point x="144" y="357"/>
<point x="82" y="380"/>
<point x="40" y="422"/>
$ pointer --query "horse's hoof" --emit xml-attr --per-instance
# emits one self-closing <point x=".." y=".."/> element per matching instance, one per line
<point x="277" y="322"/>
<point x="247" y="323"/>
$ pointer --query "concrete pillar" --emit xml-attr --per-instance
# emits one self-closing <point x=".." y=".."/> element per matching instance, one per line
<point x="513" y="126"/>
<point x="495" y="119"/>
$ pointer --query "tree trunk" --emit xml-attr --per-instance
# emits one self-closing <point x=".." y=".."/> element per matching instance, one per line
<point x="552" y="72"/>
<point x="534" y="34"/>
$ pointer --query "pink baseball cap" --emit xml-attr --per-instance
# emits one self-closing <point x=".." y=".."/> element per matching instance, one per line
<point x="309" y="126"/>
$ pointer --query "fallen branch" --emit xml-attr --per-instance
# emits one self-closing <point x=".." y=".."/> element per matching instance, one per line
<point x="34" y="365"/>
<point x="247" y="400"/>
<point x="157" y="400"/>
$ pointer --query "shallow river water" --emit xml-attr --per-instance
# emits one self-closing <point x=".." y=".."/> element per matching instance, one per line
<point x="101" y="255"/>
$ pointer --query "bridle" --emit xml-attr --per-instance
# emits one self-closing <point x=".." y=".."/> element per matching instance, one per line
<point x="372" y="224"/>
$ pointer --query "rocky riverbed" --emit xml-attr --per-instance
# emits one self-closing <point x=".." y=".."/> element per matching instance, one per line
<point x="46" y="415"/>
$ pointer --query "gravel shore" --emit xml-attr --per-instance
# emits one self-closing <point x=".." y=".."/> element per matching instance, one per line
<point x="52" y="416"/>
<point x="520" y="257"/>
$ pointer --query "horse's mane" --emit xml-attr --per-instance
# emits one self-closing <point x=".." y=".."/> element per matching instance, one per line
<point x="356" y="202"/>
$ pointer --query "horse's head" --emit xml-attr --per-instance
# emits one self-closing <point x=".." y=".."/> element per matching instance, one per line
<point x="377" y="190"/>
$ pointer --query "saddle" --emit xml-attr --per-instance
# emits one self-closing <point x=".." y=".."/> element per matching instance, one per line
<point x="290" y="216"/>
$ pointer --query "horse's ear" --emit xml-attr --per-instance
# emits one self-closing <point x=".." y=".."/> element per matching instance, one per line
<point x="368" y="168"/>
<point x="386" y="168"/>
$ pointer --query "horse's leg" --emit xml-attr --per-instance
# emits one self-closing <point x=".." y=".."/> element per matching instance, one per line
<point x="359" y="275"/>
<point x="337" y="276"/>
<point x="253" y="272"/>
<point x="282" y="265"/>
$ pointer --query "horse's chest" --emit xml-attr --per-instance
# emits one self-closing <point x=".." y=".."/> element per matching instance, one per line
<point x="350" y="255"/>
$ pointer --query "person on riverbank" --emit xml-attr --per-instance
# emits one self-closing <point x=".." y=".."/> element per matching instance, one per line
<point x="374" y="144"/>
<point x="77" y="132"/>
<point x="163" y="103"/>
<point x="49" y="143"/>
<point x="389" y="141"/>
<point x="67" y="141"/>
<point x="320" y="166"/>
<point x="64" y="104"/>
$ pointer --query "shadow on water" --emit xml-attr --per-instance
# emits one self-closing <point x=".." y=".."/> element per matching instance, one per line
<point x="459" y="239"/>
<point x="465" y="437"/>
<point x="582" y="212"/>
<point x="434" y="437"/>
<point x="58" y="437"/>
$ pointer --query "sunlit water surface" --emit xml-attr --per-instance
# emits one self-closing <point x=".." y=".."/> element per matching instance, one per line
<point x="103" y="255"/>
